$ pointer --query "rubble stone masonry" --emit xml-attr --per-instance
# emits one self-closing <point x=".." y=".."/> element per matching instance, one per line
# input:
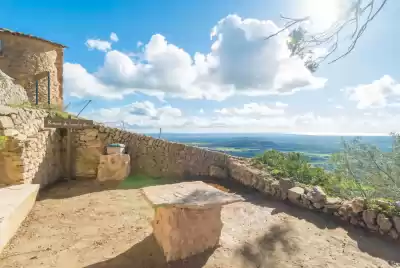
<point x="22" y="57"/>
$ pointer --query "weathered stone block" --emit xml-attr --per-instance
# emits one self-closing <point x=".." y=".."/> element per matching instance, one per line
<point x="285" y="184"/>
<point x="113" y="167"/>
<point x="187" y="217"/>
<point x="294" y="194"/>
<point x="369" y="217"/>
<point x="15" y="203"/>
<point x="6" y="122"/>
<point x="316" y="195"/>
<point x="384" y="223"/>
<point x="183" y="232"/>
<point x="218" y="172"/>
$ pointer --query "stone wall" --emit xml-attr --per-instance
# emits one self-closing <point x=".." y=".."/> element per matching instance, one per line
<point x="11" y="93"/>
<point x="150" y="156"/>
<point x="374" y="216"/>
<point x="29" y="153"/>
<point x="24" y="57"/>
<point x="161" y="158"/>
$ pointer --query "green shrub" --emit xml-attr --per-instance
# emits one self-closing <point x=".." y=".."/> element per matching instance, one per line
<point x="296" y="166"/>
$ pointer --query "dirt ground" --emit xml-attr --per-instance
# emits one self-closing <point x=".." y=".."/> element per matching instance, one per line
<point x="85" y="224"/>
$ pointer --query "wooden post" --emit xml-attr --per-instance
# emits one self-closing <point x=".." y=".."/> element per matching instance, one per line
<point x="69" y="140"/>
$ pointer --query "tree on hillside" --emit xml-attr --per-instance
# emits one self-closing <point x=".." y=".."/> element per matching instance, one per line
<point x="353" y="21"/>
<point x="375" y="173"/>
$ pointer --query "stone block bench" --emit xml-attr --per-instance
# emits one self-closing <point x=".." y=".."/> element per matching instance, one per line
<point x="187" y="217"/>
<point x="16" y="202"/>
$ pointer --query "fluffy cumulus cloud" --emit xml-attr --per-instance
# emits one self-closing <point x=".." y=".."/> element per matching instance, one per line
<point x="145" y="116"/>
<point x="380" y="93"/>
<point x="114" y="37"/>
<point x="98" y="44"/>
<point x="240" y="61"/>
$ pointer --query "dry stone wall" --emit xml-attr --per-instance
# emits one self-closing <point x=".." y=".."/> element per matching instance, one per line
<point x="11" y="93"/>
<point x="29" y="153"/>
<point x="24" y="57"/>
<point x="149" y="156"/>
<point x="383" y="217"/>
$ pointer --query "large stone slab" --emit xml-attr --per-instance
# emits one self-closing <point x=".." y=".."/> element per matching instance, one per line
<point x="187" y="217"/>
<point x="183" y="232"/>
<point x="195" y="194"/>
<point x="114" y="167"/>
<point x="16" y="202"/>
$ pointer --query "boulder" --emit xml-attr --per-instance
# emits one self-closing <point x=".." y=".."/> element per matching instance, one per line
<point x="284" y="185"/>
<point x="357" y="205"/>
<point x="316" y="195"/>
<point x="113" y="167"/>
<point x="294" y="194"/>
<point x="396" y="221"/>
<point x="275" y="189"/>
<point x="369" y="217"/>
<point x="384" y="223"/>
<point x="332" y="204"/>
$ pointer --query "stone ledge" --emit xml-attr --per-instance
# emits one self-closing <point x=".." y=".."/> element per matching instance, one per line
<point x="15" y="204"/>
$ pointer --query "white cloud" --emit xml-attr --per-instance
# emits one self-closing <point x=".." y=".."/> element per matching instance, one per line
<point x="253" y="110"/>
<point x="114" y="37"/>
<point x="201" y="111"/>
<point x="140" y="116"/>
<point x="339" y="107"/>
<point x="376" y="94"/>
<point x="240" y="61"/>
<point x="281" y="104"/>
<point x="98" y="44"/>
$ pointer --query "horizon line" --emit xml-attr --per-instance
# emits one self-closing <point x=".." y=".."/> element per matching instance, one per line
<point x="281" y="133"/>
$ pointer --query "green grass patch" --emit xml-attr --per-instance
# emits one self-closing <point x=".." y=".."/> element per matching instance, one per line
<point x="54" y="110"/>
<point x="139" y="180"/>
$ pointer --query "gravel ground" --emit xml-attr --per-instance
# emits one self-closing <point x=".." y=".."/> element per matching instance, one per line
<point x="85" y="224"/>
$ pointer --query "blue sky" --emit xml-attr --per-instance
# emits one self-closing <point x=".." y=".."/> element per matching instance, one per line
<point x="160" y="68"/>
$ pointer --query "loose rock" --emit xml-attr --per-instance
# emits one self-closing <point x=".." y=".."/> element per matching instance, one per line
<point x="384" y="223"/>
<point x="294" y="194"/>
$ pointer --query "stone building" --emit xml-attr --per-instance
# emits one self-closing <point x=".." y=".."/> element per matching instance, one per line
<point x="27" y="58"/>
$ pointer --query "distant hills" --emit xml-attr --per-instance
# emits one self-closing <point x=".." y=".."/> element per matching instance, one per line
<point x="317" y="148"/>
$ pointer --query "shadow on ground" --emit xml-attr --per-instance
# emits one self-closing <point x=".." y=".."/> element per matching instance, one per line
<point x="147" y="254"/>
<point x="67" y="189"/>
<point x="262" y="252"/>
<point x="373" y="244"/>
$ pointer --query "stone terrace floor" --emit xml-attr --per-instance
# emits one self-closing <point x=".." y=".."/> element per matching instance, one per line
<point x="85" y="224"/>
